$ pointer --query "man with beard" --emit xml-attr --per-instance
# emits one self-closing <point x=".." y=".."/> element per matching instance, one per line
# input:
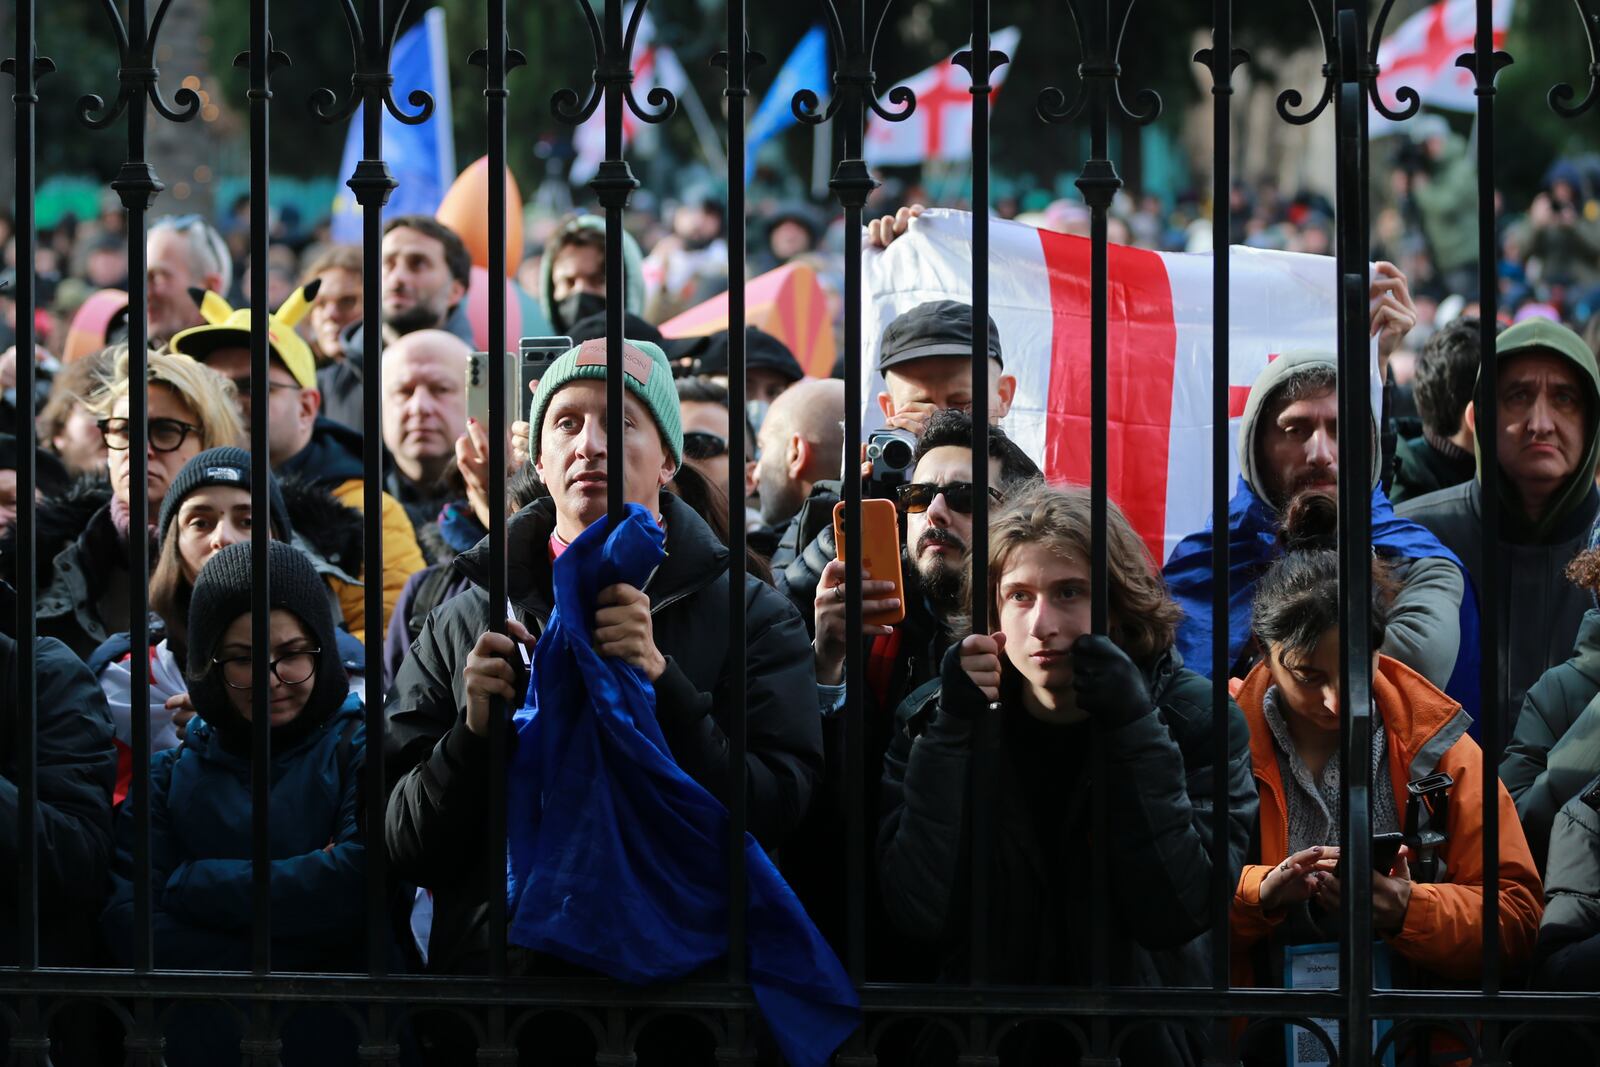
<point x="1289" y="445"/>
<point x="572" y="274"/>
<point x="937" y="507"/>
<point x="426" y="270"/>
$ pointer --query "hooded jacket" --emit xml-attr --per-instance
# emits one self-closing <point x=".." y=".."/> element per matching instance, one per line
<point x="76" y="768"/>
<point x="1443" y="930"/>
<point x="332" y="460"/>
<point x="1556" y="748"/>
<point x="201" y="880"/>
<point x="438" y="807"/>
<point x="1568" y="955"/>
<point x="1429" y="618"/>
<point x="1159" y="791"/>
<point x="1539" y="608"/>
<point x="632" y="270"/>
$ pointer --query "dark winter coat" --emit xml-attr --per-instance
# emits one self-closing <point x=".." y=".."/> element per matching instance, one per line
<point x="200" y="848"/>
<point x="1421" y="468"/>
<point x="1159" y="790"/>
<point x="1568" y="953"/>
<point x="438" y="808"/>
<point x="1539" y="608"/>
<point x="76" y="768"/>
<point x="1556" y="747"/>
<point x="82" y="567"/>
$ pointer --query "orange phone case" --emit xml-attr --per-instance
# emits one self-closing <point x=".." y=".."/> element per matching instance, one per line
<point x="880" y="552"/>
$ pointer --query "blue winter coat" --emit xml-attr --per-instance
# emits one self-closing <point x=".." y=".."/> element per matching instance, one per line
<point x="201" y="877"/>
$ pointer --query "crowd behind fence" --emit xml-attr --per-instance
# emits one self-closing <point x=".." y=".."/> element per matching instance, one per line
<point x="1019" y="826"/>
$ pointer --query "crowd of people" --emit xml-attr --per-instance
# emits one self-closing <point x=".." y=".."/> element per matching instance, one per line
<point x="1036" y="701"/>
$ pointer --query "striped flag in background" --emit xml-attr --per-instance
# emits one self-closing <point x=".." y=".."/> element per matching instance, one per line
<point x="1159" y="369"/>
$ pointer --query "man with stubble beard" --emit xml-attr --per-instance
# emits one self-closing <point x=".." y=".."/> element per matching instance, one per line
<point x="936" y="508"/>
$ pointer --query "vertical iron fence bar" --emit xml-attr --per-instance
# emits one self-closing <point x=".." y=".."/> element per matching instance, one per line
<point x="1355" y="528"/>
<point x="736" y="62"/>
<point x="852" y="184"/>
<point x="371" y="184"/>
<point x="1221" y="58"/>
<point x="260" y="61"/>
<point x="137" y="185"/>
<point x="979" y="62"/>
<point x="614" y="190"/>
<point x="1099" y="183"/>
<point x="25" y="67"/>
<point x="496" y="64"/>
<point x="1485" y="63"/>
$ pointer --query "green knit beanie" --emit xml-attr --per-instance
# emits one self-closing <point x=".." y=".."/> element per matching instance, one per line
<point x="646" y="374"/>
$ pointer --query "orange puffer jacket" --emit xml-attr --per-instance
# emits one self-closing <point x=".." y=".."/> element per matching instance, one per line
<point x="1443" y="930"/>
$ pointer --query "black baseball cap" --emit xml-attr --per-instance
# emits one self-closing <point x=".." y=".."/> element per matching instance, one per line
<point x="937" y="328"/>
<point x="762" y="351"/>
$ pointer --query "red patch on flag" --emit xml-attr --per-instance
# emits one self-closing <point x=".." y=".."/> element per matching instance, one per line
<point x="1141" y="346"/>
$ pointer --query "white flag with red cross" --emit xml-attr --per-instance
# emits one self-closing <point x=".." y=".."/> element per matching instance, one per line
<point x="1422" y="52"/>
<point x="941" y="126"/>
<point x="1159" y="350"/>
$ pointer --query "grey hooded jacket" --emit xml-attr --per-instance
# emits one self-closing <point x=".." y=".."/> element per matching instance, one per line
<point x="1425" y="620"/>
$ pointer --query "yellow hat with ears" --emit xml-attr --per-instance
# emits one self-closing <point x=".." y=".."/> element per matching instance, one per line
<point x="229" y="328"/>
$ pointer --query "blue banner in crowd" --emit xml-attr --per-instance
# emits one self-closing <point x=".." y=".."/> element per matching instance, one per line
<point x="806" y="68"/>
<point x="617" y="860"/>
<point x="422" y="158"/>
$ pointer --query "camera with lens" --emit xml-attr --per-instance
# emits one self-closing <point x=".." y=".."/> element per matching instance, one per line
<point x="892" y="454"/>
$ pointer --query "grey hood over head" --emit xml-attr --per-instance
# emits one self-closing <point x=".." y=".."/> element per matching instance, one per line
<point x="1266" y="384"/>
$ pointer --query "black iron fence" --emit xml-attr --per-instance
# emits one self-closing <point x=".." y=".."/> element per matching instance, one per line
<point x="1489" y="1022"/>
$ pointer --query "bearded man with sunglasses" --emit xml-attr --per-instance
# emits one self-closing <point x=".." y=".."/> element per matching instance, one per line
<point x="936" y="508"/>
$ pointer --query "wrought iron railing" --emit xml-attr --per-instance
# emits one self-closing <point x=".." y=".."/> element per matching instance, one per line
<point x="1490" y="1022"/>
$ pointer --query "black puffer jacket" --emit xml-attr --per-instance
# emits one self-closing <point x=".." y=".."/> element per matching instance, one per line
<point x="77" y="766"/>
<point x="1040" y="910"/>
<point x="438" y="809"/>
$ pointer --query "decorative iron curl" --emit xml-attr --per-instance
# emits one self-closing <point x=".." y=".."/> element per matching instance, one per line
<point x="371" y="76"/>
<point x="1304" y="1022"/>
<point x="136" y="73"/>
<point x="1291" y="98"/>
<point x="1410" y="102"/>
<point x="853" y="74"/>
<point x="660" y="104"/>
<point x="1052" y="106"/>
<point x="1561" y="94"/>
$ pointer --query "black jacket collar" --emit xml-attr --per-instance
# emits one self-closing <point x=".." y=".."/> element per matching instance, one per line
<point x="695" y="558"/>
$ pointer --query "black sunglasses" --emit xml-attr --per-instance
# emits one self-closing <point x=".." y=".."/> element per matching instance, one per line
<point x="697" y="444"/>
<point x="916" y="497"/>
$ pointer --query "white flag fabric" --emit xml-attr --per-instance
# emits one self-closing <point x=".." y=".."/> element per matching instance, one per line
<point x="1159" y="367"/>
<point x="941" y="126"/>
<point x="653" y="65"/>
<point x="1421" y="53"/>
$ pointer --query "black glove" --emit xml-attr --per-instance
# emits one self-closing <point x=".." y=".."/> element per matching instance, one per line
<point x="958" y="694"/>
<point x="1110" y="687"/>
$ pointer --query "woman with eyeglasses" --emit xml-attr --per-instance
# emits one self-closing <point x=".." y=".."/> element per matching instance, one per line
<point x="200" y="810"/>
<point x="83" y="537"/>
<point x="208" y="507"/>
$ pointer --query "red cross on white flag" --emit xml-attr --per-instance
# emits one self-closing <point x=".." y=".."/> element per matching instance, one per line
<point x="941" y="126"/>
<point x="1422" y="53"/>
<point x="653" y="65"/>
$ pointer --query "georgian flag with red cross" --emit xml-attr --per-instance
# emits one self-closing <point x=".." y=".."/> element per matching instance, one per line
<point x="1422" y="52"/>
<point x="941" y="125"/>
<point x="1159" y="368"/>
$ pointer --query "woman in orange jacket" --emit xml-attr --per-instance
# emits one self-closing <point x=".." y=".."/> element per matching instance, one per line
<point x="1290" y="894"/>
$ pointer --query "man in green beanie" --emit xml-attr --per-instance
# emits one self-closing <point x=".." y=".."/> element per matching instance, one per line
<point x="1548" y="394"/>
<point x="675" y="630"/>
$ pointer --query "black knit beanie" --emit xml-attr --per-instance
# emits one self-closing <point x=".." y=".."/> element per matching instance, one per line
<point x="222" y="593"/>
<point x="220" y="466"/>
